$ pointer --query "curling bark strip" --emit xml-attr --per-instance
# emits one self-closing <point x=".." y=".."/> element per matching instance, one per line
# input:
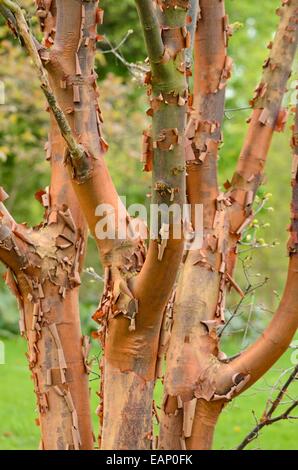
<point x="194" y="390"/>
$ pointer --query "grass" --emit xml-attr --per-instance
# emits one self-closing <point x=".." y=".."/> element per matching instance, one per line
<point x="18" y="413"/>
<point x="239" y="417"/>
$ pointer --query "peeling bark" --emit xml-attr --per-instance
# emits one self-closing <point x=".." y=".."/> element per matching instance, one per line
<point x="139" y="307"/>
<point x="194" y="367"/>
<point x="259" y="357"/>
<point x="196" y="312"/>
<point x="131" y="355"/>
<point x="44" y="265"/>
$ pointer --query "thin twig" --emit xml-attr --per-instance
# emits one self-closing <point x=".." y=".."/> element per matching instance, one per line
<point x="130" y="65"/>
<point x="249" y="290"/>
<point x="116" y="48"/>
<point x="267" y="419"/>
<point x="232" y="110"/>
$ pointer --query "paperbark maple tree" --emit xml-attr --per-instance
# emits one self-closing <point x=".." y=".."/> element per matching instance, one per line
<point x="140" y="315"/>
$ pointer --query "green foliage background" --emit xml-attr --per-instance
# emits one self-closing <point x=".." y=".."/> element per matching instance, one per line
<point x="24" y="126"/>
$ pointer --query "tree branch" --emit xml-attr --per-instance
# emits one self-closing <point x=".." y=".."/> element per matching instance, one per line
<point x="183" y="425"/>
<point x="53" y="335"/>
<point x="260" y="356"/>
<point x="76" y="151"/>
<point x="93" y="194"/>
<point x="8" y="16"/>
<point x="267" y="116"/>
<point x="137" y="70"/>
<point x="267" y="419"/>
<point x="151" y="30"/>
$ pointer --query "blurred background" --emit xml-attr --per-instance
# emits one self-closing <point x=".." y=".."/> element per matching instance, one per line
<point x="23" y="171"/>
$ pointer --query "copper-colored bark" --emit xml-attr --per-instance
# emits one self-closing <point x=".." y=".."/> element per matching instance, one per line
<point x="44" y="265"/>
<point x="130" y="312"/>
<point x="196" y="382"/>
<point x="131" y="356"/>
<point x="189" y="344"/>
<point x="44" y="262"/>
<point x="258" y="358"/>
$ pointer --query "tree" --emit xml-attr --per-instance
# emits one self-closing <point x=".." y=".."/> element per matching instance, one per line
<point x="142" y="314"/>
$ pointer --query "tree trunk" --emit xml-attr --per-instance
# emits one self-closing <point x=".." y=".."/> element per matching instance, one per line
<point x="194" y="390"/>
<point x="44" y="265"/>
<point x="130" y="356"/>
